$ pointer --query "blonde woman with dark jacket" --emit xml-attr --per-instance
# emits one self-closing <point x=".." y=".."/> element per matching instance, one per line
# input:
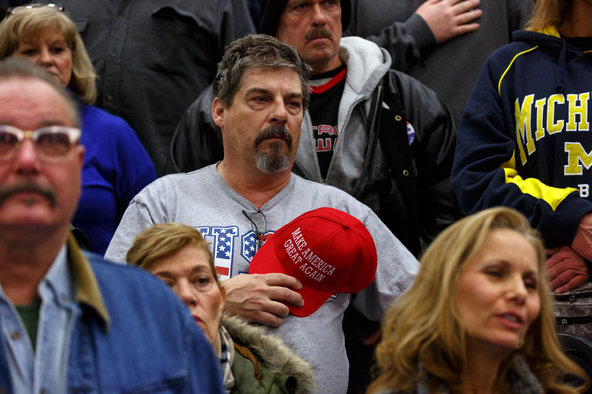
<point x="479" y="316"/>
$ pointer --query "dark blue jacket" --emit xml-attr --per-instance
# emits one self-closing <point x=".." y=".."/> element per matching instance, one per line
<point x="524" y="140"/>
<point x="133" y="335"/>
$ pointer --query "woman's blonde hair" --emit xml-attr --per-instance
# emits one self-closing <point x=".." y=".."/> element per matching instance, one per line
<point x="28" y="23"/>
<point x="548" y="13"/>
<point x="164" y="240"/>
<point x="424" y="328"/>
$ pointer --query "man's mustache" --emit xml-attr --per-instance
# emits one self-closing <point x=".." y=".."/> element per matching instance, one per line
<point x="321" y="32"/>
<point x="274" y="132"/>
<point x="28" y="187"/>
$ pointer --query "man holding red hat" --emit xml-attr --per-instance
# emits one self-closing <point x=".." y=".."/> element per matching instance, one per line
<point x="327" y="250"/>
<point x="261" y="92"/>
<point x="376" y="133"/>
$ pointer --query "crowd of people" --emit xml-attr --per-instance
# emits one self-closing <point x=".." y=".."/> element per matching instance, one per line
<point x="347" y="196"/>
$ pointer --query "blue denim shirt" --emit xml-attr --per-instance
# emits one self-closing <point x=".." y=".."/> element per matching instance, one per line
<point x="45" y="368"/>
<point x="132" y="334"/>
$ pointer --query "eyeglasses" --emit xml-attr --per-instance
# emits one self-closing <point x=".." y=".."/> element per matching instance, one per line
<point x="259" y="236"/>
<point x="51" y="143"/>
<point x="13" y="10"/>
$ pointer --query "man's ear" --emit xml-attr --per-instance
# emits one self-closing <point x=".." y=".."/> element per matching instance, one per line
<point x="218" y="112"/>
<point x="80" y="152"/>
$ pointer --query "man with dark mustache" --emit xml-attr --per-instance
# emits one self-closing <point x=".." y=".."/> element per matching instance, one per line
<point x="376" y="133"/>
<point x="274" y="162"/>
<point x="71" y="321"/>
<point x="262" y="91"/>
<point x="28" y="186"/>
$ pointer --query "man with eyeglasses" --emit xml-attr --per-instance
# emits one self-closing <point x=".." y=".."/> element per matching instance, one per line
<point x="71" y="321"/>
<point x="261" y="92"/>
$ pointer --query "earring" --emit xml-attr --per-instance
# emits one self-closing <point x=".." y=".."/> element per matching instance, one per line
<point x="521" y="343"/>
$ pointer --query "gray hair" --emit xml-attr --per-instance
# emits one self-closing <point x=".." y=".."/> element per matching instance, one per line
<point x="257" y="51"/>
<point x="13" y="67"/>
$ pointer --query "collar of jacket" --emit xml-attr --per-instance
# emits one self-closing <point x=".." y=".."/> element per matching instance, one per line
<point x="519" y="378"/>
<point x="87" y="288"/>
<point x="277" y="357"/>
<point x="551" y="31"/>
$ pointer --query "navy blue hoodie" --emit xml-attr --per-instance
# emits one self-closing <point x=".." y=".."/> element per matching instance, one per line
<point x="524" y="139"/>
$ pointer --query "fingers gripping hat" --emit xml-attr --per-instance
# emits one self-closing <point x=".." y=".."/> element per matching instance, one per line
<point x="327" y="250"/>
<point x="271" y="10"/>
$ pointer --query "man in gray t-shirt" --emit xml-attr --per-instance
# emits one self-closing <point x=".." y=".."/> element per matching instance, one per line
<point x="261" y="91"/>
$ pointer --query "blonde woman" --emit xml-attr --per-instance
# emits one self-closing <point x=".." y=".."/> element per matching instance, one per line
<point x="116" y="165"/>
<point x="251" y="361"/>
<point x="479" y="316"/>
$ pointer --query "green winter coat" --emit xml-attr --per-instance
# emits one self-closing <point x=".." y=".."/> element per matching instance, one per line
<point x="264" y="364"/>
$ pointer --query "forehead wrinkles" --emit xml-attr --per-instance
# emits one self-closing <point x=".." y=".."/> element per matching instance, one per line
<point x="32" y="101"/>
<point x="271" y="79"/>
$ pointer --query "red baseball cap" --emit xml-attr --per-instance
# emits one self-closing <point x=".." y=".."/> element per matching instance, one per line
<point x="327" y="250"/>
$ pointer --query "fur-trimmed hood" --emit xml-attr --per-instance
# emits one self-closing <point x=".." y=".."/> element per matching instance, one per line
<point x="277" y="357"/>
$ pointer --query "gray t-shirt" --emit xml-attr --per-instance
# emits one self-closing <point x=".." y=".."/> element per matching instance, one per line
<point x="201" y="199"/>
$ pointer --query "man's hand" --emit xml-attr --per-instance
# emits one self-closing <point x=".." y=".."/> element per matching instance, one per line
<point x="449" y="18"/>
<point x="565" y="269"/>
<point x="582" y="242"/>
<point x="261" y="297"/>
